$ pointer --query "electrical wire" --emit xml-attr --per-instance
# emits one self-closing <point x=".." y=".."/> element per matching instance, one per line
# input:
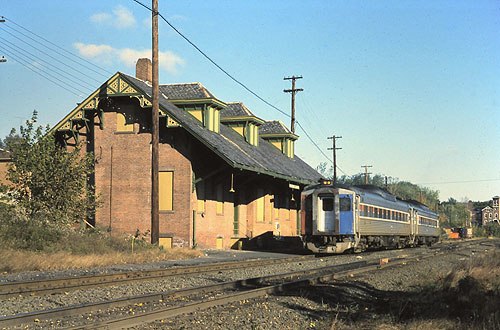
<point x="92" y="65"/>
<point x="64" y="74"/>
<point x="236" y="80"/>
<point x="54" y="80"/>
<point x="469" y="181"/>
<point x="50" y="56"/>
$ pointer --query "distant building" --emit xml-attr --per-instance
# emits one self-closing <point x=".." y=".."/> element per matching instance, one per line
<point x="490" y="213"/>
<point x="4" y="162"/>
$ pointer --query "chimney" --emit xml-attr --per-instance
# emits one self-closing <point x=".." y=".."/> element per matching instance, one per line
<point x="144" y="69"/>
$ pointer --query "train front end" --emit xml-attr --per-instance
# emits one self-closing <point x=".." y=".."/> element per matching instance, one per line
<point x="328" y="218"/>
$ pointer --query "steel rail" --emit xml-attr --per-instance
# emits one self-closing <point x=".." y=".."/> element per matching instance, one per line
<point x="169" y="312"/>
<point x="38" y="287"/>
<point x="333" y="272"/>
<point x="17" y="319"/>
<point x="312" y="275"/>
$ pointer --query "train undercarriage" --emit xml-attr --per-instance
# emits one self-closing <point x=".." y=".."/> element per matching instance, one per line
<point x="352" y="243"/>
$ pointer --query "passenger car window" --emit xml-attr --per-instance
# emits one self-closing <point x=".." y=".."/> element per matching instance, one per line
<point x="345" y="204"/>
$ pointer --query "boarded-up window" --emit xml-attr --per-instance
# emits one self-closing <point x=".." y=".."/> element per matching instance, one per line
<point x="220" y="199"/>
<point x="166" y="190"/>
<point x="121" y="123"/>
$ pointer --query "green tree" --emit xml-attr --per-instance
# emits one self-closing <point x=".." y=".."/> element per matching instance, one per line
<point x="49" y="183"/>
<point x="454" y="213"/>
<point x="324" y="170"/>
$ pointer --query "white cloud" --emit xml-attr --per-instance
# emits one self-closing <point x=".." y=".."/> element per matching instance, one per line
<point x="101" y="18"/>
<point x="101" y="53"/>
<point x="121" y="18"/>
<point x="169" y="61"/>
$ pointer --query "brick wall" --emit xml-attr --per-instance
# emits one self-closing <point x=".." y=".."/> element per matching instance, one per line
<point x="123" y="184"/>
<point x="123" y="177"/>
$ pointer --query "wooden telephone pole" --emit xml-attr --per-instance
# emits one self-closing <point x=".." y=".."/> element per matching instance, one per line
<point x="366" y="172"/>
<point x="293" y="91"/>
<point x="3" y="59"/>
<point x="334" y="148"/>
<point x="155" y="204"/>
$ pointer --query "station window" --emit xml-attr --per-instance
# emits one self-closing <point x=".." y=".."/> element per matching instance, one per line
<point x="121" y="123"/>
<point x="166" y="190"/>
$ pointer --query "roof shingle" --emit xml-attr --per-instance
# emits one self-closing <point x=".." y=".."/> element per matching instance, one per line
<point x="187" y="91"/>
<point x="233" y="148"/>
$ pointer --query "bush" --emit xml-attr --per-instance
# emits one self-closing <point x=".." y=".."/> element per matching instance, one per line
<point x="490" y="229"/>
<point x="19" y="232"/>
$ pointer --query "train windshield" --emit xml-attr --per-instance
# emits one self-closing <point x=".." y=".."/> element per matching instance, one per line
<point x="345" y="204"/>
<point x="327" y="204"/>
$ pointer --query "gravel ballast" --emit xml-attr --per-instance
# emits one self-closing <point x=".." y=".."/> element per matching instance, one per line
<point x="312" y="308"/>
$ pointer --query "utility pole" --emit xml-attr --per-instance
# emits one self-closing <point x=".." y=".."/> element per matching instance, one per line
<point x="366" y="172"/>
<point x="293" y="91"/>
<point x="155" y="203"/>
<point x="3" y="59"/>
<point x="334" y="148"/>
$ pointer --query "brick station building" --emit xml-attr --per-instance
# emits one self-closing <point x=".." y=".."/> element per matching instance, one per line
<point x="225" y="174"/>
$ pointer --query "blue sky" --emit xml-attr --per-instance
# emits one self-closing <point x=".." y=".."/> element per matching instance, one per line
<point x="413" y="87"/>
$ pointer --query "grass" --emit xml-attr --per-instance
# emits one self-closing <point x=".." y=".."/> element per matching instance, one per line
<point x="28" y="245"/>
<point x="25" y="260"/>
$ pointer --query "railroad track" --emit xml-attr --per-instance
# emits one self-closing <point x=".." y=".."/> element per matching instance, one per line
<point x="162" y="305"/>
<point x="58" y="285"/>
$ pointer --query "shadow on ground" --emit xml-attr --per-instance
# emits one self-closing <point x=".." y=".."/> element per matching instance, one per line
<point x="354" y="305"/>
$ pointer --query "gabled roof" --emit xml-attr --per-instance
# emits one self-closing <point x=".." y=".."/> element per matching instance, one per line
<point x="236" y="109"/>
<point x="227" y="144"/>
<point x="185" y="91"/>
<point x="232" y="147"/>
<point x="276" y="128"/>
<point x="238" y="112"/>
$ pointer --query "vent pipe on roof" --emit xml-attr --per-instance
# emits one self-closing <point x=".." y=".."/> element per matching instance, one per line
<point x="144" y="70"/>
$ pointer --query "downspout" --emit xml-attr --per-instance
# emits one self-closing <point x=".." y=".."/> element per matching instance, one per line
<point x="110" y="190"/>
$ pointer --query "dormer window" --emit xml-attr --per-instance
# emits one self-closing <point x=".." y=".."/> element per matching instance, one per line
<point x="276" y="133"/>
<point x="196" y="100"/>
<point x="238" y="117"/>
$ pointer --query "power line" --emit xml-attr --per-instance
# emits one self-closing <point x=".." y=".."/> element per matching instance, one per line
<point x="66" y="75"/>
<point x="214" y="63"/>
<point x="50" y="56"/>
<point x="469" y="181"/>
<point x="55" y="80"/>
<point x="92" y="65"/>
<point x="45" y="72"/>
<point x="236" y="80"/>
